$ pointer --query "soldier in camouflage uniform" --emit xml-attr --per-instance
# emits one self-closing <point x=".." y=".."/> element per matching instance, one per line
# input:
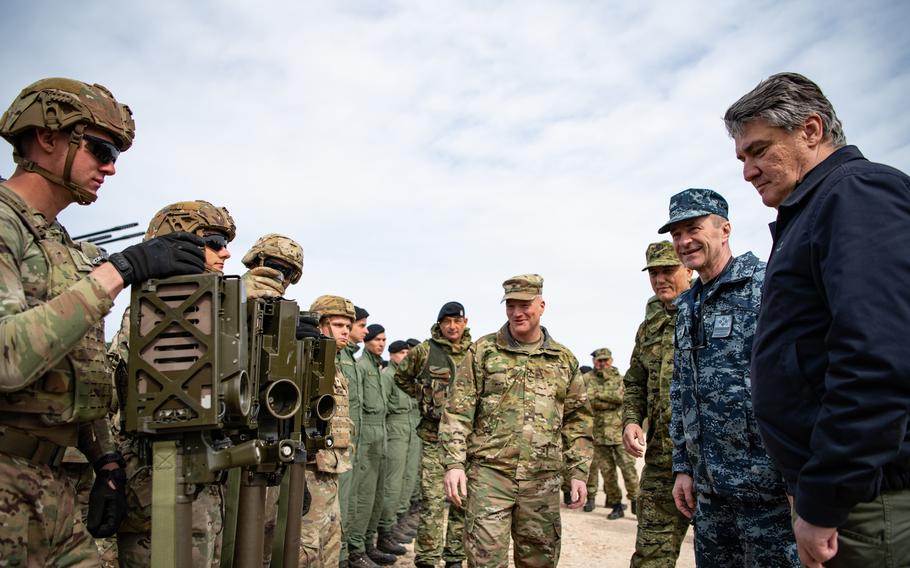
<point x="517" y="415"/>
<point x="215" y="226"/>
<point x="661" y="527"/>
<point x="724" y="477"/>
<point x="55" y="387"/>
<point x="425" y="375"/>
<point x="321" y="529"/>
<point x="605" y="392"/>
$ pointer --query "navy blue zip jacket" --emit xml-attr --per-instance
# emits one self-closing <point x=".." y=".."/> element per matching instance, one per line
<point x="831" y="355"/>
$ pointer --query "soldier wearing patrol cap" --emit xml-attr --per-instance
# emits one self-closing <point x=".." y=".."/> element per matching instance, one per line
<point x="320" y="538"/>
<point x="661" y="527"/>
<point x="605" y="392"/>
<point x="56" y="391"/>
<point x="505" y="454"/>
<point x="725" y="480"/>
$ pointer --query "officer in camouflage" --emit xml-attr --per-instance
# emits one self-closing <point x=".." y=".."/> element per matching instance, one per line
<point x="55" y="388"/>
<point x="724" y="480"/>
<point x="516" y="416"/>
<point x="320" y="538"/>
<point x="661" y="527"/>
<point x="425" y="375"/>
<point x="216" y="227"/>
<point x="605" y="392"/>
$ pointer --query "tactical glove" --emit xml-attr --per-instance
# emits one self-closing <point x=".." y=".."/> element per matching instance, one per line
<point x="307" y="328"/>
<point x="263" y="282"/>
<point x="107" y="507"/>
<point x="169" y="255"/>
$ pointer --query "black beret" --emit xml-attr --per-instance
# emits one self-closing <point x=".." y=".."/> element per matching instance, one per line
<point x="398" y="345"/>
<point x="360" y="313"/>
<point x="373" y="330"/>
<point x="453" y="309"/>
<point x="413" y="342"/>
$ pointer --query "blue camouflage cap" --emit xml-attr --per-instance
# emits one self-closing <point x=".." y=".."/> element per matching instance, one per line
<point x="692" y="203"/>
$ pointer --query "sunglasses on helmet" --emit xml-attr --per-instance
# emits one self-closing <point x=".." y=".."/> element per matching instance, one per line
<point x="287" y="272"/>
<point x="215" y="241"/>
<point x="104" y="151"/>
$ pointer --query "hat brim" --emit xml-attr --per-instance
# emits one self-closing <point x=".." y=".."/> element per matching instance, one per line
<point x="523" y="296"/>
<point x="660" y="264"/>
<point x="683" y="217"/>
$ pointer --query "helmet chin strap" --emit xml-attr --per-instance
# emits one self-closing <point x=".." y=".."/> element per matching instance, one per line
<point x="82" y="195"/>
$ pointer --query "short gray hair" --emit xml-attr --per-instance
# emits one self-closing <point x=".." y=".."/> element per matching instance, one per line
<point x="785" y="100"/>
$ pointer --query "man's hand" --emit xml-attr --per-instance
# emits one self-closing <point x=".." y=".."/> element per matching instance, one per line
<point x="579" y="493"/>
<point x="684" y="494"/>
<point x="815" y="544"/>
<point x="308" y="327"/>
<point x="633" y="440"/>
<point x="456" y="483"/>
<point x="107" y="505"/>
<point x="168" y="255"/>
<point x="263" y="282"/>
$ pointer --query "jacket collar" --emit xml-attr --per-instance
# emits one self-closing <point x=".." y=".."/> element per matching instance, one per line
<point x="740" y="268"/>
<point x="820" y="172"/>
<point x="440" y="339"/>
<point x="504" y="340"/>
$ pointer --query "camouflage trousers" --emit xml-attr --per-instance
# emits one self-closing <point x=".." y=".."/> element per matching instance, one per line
<point x="606" y="460"/>
<point x="320" y="529"/>
<point x="440" y="533"/>
<point x="134" y="539"/>
<point x="730" y="532"/>
<point x="499" y="506"/>
<point x="661" y="527"/>
<point x="82" y="476"/>
<point x="40" y="520"/>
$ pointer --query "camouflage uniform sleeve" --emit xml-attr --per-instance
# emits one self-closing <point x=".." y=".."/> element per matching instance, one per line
<point x="409" y="369"/>
<point x="37" y="338"/>
<point x="457" y="420"/>
<point x="635" y="398"/>
<point x="680" y="456"/>
<point x="577" y="426"/>
<point x="95" y="439"/>
<point x="612" y="395"/>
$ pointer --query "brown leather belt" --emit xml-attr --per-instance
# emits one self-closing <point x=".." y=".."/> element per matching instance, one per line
<point x="37" y="450"/>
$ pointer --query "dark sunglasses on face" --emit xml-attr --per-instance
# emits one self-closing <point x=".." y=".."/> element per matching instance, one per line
<point x="215" y="242"/>
<point x="104" y="151"/>
<point x="286" y="271"/>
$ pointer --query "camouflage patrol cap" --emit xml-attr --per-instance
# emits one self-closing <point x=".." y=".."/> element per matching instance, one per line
<point x="692" y="203"/>
<point x="660" y="253"/>
<point x="602" y="353"/>
<point x="523" y="287"/>
<point x="192" y="217"/>
<point x="327" y="306"/>
<point x="276" y="246"/>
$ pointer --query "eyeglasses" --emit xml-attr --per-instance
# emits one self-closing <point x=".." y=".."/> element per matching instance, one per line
<point x="104" y="151"/>
<point x="286" y="271"/>
<point x="215" y="241"/>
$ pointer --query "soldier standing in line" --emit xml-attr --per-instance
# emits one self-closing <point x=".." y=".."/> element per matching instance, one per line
<point x="516" y="417"/>
<point x="321" y="538"/>
<point x="661" y="527"/>
<point x="55" y="387"/>
<point x="725" y="480"/>
<point x="605" y="392"/>
<point x="425" y="375"/>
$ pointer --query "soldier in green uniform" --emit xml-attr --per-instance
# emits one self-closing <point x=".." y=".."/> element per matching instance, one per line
<point x="425" y="375"/>
<point x="55" y="387"/>
<point x="661" y="527"/>
<point x="605" y="392"/>
<point x="321" y="528"/>
<point x="216" y="227"/>
<point x="516" y="417"/>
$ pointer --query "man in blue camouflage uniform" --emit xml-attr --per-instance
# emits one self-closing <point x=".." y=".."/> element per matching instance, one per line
<point x="724" y="477"/>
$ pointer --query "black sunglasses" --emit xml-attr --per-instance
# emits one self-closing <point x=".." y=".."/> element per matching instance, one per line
<point x="215" y="241"/>
<point x="286" y="271"/>
<point x="105" y="151"/>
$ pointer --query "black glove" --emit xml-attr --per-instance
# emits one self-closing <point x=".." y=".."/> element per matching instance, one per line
<point x="307" y="328"/>
<point x="169" y="255"/>
<point x="107" y="507"/>
<point x="307" y="500"/>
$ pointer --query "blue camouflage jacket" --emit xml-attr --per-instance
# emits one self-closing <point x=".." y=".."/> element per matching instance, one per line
<point x="715" y="436"/>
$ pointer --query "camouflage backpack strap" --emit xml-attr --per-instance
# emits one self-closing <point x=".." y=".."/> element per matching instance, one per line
<point x="19" y="207"/>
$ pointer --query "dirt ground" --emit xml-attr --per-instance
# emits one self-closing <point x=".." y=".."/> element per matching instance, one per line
<point x="589" y="539"/>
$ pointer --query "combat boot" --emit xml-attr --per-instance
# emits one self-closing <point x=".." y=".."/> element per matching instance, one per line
<point x="387" y="544"/>
<point x="589" y="505"/>
<point x="453" y="564"/>
<point x="401" y="534"/>
<point x="379" y="557"/>
<point x="617" y="511"/>
<point x="360" y="560"/>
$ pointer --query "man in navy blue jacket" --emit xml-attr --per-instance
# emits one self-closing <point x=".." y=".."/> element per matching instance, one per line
<point x="830" y="360"/>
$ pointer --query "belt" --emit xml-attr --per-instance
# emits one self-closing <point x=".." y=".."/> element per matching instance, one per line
<point x="37" y="450"/>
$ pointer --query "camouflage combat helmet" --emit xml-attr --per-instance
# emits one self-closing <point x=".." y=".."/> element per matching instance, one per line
<point x="333" y="306"/>
<point x="66" y="104"/>
<point x="193" y="217"/>
<point x="276" y="246"/>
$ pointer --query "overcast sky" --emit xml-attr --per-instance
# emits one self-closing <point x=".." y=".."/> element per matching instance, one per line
<point x="423" y="152"/>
